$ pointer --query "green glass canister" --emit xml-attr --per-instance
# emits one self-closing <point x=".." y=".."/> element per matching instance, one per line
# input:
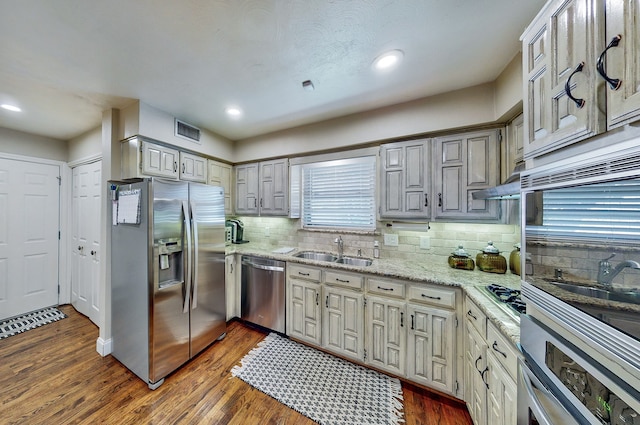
<point x="460" y="259"/>
<point x="514" y="260"/>
<point x="490" y="260"/>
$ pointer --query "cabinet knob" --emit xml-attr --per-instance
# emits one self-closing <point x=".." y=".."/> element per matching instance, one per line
<point x="614" y="83"/>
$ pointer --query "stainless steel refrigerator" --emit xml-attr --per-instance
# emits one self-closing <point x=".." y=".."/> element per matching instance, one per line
<point x="167" y="273"/>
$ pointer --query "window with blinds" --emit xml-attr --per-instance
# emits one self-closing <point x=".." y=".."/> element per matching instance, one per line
<point x="606" y="210"/>
<point x="339" y="194"/>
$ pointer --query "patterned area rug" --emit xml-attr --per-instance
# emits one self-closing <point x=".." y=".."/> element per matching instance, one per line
<point x="322" y="387"/>
<point x="32" y="320"/>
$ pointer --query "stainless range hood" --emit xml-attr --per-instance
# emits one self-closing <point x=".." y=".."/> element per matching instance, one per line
<point x="510" y="189"/>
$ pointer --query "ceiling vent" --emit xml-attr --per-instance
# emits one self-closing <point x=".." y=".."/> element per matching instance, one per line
<point x="187" y="131"/>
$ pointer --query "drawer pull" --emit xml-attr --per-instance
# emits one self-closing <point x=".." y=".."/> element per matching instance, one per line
<point x="430" y="297"/>
<point x="567" y="87"/>
<point x="341" y="280"/>
<point x="614" y="83"/>
<point x="385" y="289"/>
<point x="303" y="274"/>
<point x="317" y="298"/>
<point x="402" y="319"/>
<point x="477" y="360"/>
<point x="486" y="369"/>
<point x="495" y="347"/>
<point x="326" y="302"/>
<point x="412" y="327"/>
<point x="469" y="313"/>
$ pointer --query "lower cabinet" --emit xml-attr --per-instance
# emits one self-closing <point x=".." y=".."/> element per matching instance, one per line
<point x="490" y="371"/>
<point x="342" y="326"/>
<point x="431" y="354"/>
<point x="406" y="329"/>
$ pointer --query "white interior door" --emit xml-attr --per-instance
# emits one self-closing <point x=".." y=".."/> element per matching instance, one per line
<point x="85" y="245"/>
<point x="29" y="236"/>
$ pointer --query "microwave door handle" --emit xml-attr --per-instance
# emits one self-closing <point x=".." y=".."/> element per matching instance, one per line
<point x="187" y="280"/>
<point x="534" y="403"/>
<point x="194" y="226"/>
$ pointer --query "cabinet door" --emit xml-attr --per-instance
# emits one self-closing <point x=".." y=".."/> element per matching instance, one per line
<point x="386" y="343"/>
<point x="565" y="34"/>
<point x="219" y="174"/>
<point x="475" y="364"/>
<point x="230" y="286"/>
<point x="303" y="311"/>
<point x="159" y="160"/>
<point x="274" y="187"/>
<point x="247" y="189"/>
<point x="342" y="327"/>
<point x="193" y="168"/>
<point x="501" y="394"/>
<point x="431" y="351"/>
<point x="405" y="179"/>
<point x="465" y="163"/>
<point x="623" y="62"/>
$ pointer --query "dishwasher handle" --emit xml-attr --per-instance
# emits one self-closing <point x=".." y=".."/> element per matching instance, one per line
<point x="262" y="266"/>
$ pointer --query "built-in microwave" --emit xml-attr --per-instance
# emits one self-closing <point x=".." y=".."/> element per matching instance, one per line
<point x="581" y="252"/>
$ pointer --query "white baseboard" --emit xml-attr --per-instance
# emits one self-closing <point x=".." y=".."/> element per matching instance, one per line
<point x="104" y="347"/>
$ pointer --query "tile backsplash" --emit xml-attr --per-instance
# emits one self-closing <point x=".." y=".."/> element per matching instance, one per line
<point x="437" y="243"/>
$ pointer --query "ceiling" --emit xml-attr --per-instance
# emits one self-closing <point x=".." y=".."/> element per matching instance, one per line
<point x="63" y="62"/>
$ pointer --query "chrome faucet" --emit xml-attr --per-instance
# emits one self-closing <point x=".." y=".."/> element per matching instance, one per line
<point x="340" y="243"/>
<point x="604" y="270"/>
<point x="606" y="278"/>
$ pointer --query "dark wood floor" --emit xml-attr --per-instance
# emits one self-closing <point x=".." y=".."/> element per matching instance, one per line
<point x="53" y="375"/>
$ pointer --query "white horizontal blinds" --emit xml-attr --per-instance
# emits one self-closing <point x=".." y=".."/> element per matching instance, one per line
<point x="606" y="210"/>
<point x="339" y="194"/>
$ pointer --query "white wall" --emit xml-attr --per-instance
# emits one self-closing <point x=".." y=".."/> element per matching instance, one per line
<point x="25" y="144"/>
<point x="142" y="119"/>
<point x="87" y="145"/>
<point x="509" y="90"/>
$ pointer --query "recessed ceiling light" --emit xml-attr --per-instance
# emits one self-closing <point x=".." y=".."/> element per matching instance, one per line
<point x="10" y="107"/>
<point x="388" y="59"/>
<point x="233" y="111"/>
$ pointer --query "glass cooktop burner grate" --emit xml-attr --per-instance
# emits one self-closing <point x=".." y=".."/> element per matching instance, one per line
<point x="508" y="296"/>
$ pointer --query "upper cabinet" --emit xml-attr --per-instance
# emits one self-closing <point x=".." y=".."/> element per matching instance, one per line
<point x="219" y="174"/>
<point x="405" y="178"/>
<point x="620" y="61"/>
<point x="263" y="188"/>
<point x="193" y="168"/>
<point x="465" y="163"/>
<point x="579" y="80"/>
<point x="142" y="158"/>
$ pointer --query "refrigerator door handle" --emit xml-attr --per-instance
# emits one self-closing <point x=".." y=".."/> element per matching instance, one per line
<point x="194" y="225"/>
<point x="187" y="227"/>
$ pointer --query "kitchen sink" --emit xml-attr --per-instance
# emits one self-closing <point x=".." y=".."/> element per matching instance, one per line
<point x="355" y="261"/>
<point x="317" y="256"/>
<point x="604" y="294"/>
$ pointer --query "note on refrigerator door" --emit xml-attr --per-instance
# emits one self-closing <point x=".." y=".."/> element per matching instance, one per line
<point x="129" y="207"/>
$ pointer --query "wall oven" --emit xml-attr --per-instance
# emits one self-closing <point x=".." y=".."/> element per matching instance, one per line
<point x="581" y="249"/>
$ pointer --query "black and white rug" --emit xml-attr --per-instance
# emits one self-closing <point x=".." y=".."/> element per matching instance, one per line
<point x="322" y="387"/>
<point x="19" y="324"/>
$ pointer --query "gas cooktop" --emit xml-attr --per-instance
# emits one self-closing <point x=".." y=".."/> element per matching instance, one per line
<point x="507" y="297"/>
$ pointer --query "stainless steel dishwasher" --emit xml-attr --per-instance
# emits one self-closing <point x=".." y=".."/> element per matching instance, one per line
<point x="263" y="292"/>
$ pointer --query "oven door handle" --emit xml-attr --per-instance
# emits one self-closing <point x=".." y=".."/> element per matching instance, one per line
<point x="540" y="411"/>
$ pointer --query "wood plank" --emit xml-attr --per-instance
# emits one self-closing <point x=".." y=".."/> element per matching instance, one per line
<point x="53" y="374"/>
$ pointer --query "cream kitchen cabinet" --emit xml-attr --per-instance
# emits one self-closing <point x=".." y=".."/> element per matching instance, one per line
<point x="343" y="322"/>
<point x="387" y="336"/>
<point x="263" y="188"/>
<point x="219" y="174"/>
<point x="490" y="371"/>
<point x="193" y="168"/>
<point x="274" y="187"/>
<point x="621" y="62"/>
<point x="405" y="179"/>
<point x="231" y="287"/>
<point x="247" y="187"/>
<point x="141" y="157"/>
<point x="465" y="163"/>
<point x="559" y="50"/>
<point x="304" y="313"/>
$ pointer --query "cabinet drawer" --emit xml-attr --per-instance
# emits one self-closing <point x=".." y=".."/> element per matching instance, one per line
<point x="440" y="297"/>
<point x="503" y="350"/>
<point x="302" y="272"/>
<point x="476" y="317"/>
<point x="343" y="279"/>
<point x="386" y="287"/>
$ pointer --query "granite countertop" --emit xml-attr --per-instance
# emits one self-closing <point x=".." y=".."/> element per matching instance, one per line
<point x="472" y="282"/>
